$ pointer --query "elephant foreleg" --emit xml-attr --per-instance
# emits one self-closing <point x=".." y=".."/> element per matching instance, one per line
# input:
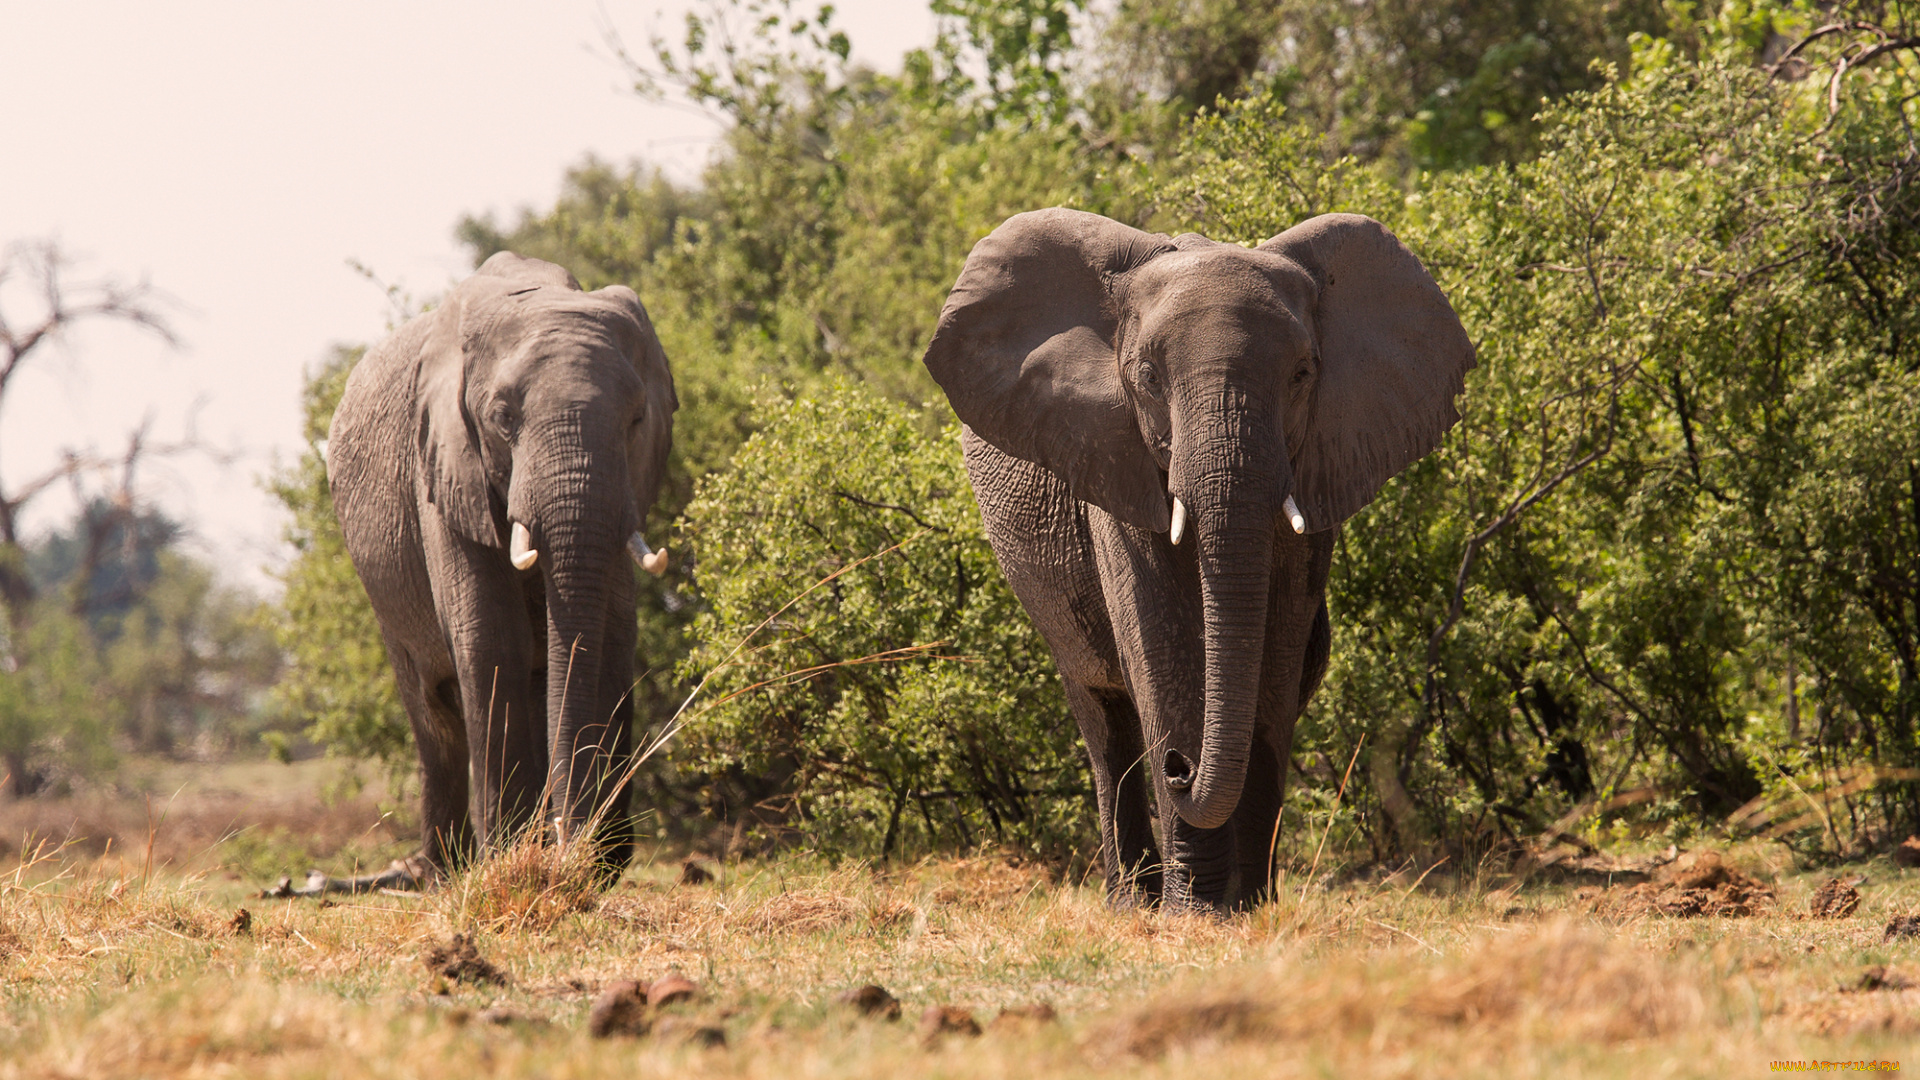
<point x="1200" y="865"/>
<point x="445" y="827"/>
<point x="1111" y="729"/>
<point x="1256" y="821"/>
<point x="613" y="802"/>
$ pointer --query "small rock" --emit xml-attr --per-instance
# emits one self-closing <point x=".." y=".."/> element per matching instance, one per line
<point x="1835" y="900"/>
<point x="1908" y="853"/>
<point x="691" y="1032"/>
<point x="942" y="1020"/>
<point x="692" y="873"/>
<point x="241" y="923"/>
<point x="1903" y="926"/>
<point x="670" y="989"/>
<point x="621" y="1009"/>
<point x="1023" y="1017"/>
<point x="872" y="1000"/>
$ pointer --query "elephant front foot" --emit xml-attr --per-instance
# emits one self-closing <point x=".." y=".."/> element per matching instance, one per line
<point x="411" y="874"/>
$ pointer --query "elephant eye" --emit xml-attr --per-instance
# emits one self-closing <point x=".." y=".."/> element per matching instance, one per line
<point x="1150" y="379"/>
<point x="504" y="419"/>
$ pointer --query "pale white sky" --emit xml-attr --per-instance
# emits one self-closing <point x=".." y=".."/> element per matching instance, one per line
<point x="237" y="153"/>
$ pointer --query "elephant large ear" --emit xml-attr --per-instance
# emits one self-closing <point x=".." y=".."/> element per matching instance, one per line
<point x="449" y="446"/>
<point x="648" y="448"/>
<point x="1392" y="356"/>
<point x="1025" y="350"/>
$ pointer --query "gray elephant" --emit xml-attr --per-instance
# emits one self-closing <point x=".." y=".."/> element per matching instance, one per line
<point x="491" y="466"/>
<point x="1165" y="436"/>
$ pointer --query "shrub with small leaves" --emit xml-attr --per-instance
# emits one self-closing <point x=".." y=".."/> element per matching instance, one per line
<point x="863" y="658"/>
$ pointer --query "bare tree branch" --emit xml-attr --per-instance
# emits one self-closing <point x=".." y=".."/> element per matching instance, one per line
<point x="62" y="305"/>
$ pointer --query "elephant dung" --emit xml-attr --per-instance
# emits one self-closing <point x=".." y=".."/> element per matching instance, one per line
<point x="1024" y="1017"/>
<point x="459" y="960"/>
<point x="872" y="1000"/>
<point x="621" y="1009"/>
<point x="943" y="1020"/>
<point x="690" y="1032"/>
<point x="1836" y="899"/>
<point x="672" y="989"/>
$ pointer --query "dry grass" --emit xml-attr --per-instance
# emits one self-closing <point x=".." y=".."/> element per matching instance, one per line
<point x="109" y="970"/>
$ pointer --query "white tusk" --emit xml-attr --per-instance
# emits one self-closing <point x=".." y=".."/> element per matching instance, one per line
<point x="1179" y="520"/>
<point x="522" y="552"/>
<point x="653" y="562"/>
<point x="1293" y="514"/>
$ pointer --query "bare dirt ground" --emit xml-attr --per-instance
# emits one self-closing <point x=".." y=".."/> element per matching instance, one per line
<point x="232" y="818"/>
<point x="160" y="959"/>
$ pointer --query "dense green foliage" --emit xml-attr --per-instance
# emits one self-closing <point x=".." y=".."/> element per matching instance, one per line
<point x="1684" y="470"/>
<point x="50" y="706"/>
<point x="1667" y="567"/>
<point x="337" y="676"/>
<point x="864" y="663"/>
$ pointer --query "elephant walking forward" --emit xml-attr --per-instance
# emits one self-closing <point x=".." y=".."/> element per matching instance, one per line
<point x="1165" y="435"/>
<point x="491" y="465"/>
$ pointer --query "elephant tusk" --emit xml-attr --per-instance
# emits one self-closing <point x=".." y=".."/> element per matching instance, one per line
<point x="1179" y="521"/>
<point x="653" y="562"/>
<point x="522" y="552"/>
<point x="1293" y="515"/>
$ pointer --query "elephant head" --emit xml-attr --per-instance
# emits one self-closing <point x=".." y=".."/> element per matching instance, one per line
<point x="1211" y="393"/>
<point x="544" y="418"/>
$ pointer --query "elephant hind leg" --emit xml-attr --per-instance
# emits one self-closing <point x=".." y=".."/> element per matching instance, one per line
<point x="446" y="833"/>
<point x="440" y="738"/>
<point x="1111" y="728"/>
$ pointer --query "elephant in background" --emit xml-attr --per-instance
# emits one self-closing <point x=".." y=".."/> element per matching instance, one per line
<point x="491" y="464"/>
<point x="1165" y="435"/>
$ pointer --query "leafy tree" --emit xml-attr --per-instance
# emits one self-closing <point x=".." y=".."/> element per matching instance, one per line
<point x="1430" y="85"/>
<point x="862" y="659"/>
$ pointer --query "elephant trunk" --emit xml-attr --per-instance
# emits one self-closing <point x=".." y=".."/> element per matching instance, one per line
<point x="576" y="627"/>
<point x="1231" y="504"/>
<point x="582" y="546"/>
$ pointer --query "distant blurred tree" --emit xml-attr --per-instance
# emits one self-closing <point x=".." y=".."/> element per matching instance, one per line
<point x="49" y="700"/>
<point x="57" y="304"/>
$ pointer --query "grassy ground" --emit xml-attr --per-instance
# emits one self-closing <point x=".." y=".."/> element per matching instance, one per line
<point x="113" y="964"/>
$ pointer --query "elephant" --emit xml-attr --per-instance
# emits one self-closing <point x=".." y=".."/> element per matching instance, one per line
<point x="1164" y="436"/>
<point x="491" y="465"/>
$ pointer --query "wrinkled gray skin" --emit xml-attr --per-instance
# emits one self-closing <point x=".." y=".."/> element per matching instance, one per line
<point x="1100" y="372"/>
<point x="520" y="399"/>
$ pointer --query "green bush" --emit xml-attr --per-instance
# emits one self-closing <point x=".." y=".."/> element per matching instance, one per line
<point x="337" y="674"/>
<point x="862" y="654"/>
<point x="50" y="700"/>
